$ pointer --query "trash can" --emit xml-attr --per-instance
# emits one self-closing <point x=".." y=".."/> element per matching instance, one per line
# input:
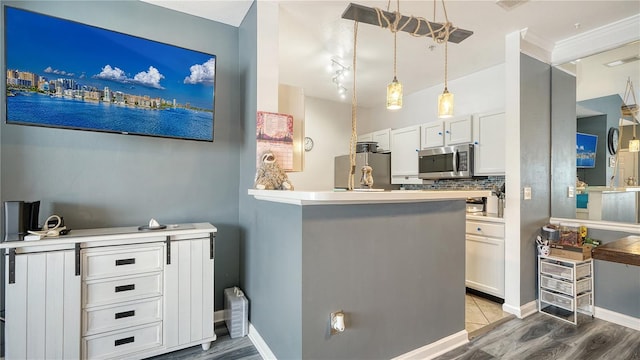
<point x="236" y="308"/>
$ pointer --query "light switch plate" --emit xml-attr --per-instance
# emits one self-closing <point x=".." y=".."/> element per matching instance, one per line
<point x="571" y="192"/>
<point x="527" y="193"/>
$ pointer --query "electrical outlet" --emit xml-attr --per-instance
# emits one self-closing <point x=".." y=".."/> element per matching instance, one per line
<point x="571" y="192"/>
<point x="527" y="193"/>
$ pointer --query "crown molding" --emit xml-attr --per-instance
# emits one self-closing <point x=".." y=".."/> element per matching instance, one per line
<point x="597" y="40"/>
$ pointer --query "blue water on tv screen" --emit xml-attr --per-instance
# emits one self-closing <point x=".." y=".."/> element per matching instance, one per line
<point x="586" y="145"/>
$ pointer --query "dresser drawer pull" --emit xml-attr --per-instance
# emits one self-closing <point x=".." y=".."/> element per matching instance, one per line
<point x="125" y="314"/>
<point x="125" y="287"/>
<point x="128" y="340"/>
<point x="120" y="262"/>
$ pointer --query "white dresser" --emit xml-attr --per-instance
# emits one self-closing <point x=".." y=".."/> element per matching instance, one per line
<point x="110" y="293"/>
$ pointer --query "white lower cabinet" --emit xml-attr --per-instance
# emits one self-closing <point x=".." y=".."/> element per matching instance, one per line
<point x="484" y="257"/>
<point x="42" y="306"/>
<point x="112" y="296"/>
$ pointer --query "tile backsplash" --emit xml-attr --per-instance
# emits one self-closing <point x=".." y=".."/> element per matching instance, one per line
<point x="484" y="183"/>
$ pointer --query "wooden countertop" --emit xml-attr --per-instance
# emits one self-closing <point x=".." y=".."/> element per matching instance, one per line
<point x="624" y="251"/>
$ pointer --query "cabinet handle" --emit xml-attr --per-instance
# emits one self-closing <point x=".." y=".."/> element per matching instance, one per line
<point x="121" y="262"/>
<point x="440" y="133"/>
<point x="447" y="132"/>
<point x="125" y="287"/>
<point x="125" y="314"/>
<point x="77" y="259"/>
<point x="12" y="266"/>
<point x="128" y="340"/>
<point x="479" y="229"/>
<point x="212" y="247"/>
<point x="168" y="241"/>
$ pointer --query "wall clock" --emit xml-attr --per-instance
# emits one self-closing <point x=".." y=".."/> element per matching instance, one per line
<point x="308" y="143"/>
<point x="612" y="140"/>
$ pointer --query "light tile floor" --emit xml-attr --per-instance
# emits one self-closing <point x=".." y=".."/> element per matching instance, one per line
<point x="480" y="312"/>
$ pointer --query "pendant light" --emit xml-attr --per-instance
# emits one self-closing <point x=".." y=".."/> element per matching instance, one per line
<point x="394" y="89"/>
<point x="632" y="112"/>
<point x="445" y="100"/>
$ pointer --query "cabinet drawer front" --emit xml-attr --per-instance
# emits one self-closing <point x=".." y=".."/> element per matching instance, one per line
<point x="117" y="344"/>
<point x="99" y="320"/>
<point x="485" y="229"/>
<point x="123" y="260"/>
<point x="122" y="289"/>
<point x="558" y="300"/>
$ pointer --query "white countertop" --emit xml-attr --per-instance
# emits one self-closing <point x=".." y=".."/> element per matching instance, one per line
<point x="362" y="197"/>
<point x="606" y="189"/>
<point x="489" y="217"/>
<point x="132" y="234"/>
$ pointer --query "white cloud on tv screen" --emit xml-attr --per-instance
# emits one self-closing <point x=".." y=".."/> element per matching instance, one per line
<point x="202" y="73"/>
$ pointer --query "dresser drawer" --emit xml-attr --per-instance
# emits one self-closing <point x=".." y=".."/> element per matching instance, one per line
<point x="110" y="291"/>
<point x="485" y="229"/>
<point x="119" y="344"/>
<point x="122" y="260"/>
<point x="109" y="318"/>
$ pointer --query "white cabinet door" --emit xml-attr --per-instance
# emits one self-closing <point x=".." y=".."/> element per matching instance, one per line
<point x="489" y="143"/>
<point x="43" y="307"/>
<point x="188" y="298"/>
<point x="458" y="131"/>
<point x="383" y="138"/>
<point x="432" y="135"/>
<point x="405" y="143"/>
<point x="484" y="262"/>
<point x="365" y="137"/>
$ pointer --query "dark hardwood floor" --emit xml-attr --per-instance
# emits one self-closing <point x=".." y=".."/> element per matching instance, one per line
<point x="538" y="337"/>
<point x="543" y="337"/>
<point x="224" y="348"/>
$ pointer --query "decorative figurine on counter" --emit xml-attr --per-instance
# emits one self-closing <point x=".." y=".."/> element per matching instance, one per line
<point x="367" y="177"/>
<point x="270" y="175"/>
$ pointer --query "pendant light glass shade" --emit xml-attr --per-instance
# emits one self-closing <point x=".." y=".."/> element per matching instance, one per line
<point x="634" y="145"/>
<point x="445" y="104"/>
<point x="394" y="95"/>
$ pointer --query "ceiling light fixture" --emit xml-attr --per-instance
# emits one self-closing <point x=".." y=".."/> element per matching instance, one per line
<point x="623" y="61"/>
<point x="394" y="89"/>
<point x="416" y="26"/>
<point x="445" y="100"/>
<point x="341" y="71"/>
<point x="631" y="111"/>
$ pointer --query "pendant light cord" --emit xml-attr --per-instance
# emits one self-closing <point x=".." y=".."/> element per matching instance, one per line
<point x="354" y="115"/>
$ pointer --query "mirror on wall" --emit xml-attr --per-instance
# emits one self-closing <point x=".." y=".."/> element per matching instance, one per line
<point x="606" y="173"/>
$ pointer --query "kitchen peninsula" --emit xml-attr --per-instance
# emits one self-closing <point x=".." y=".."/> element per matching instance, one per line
<point x="392" y="261"/>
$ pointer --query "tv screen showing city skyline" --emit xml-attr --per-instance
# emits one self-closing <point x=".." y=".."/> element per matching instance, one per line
<point x="65" y="74"/>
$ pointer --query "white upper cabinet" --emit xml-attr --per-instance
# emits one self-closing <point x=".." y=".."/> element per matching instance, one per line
<point x="489" y="143"/>
<point x="432" y="135"/>
<point x="383" y="138"/>
<point x="365" y="137"/>
<point x="404" y="155"/>
<point x="448" y="132"/>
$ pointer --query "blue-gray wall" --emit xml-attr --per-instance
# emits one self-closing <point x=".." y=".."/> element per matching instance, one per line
<point x="535" y="165"/>
<point x="102" y="180"/>
<point x="563" y="143"/>
<point x="609" y="106"/>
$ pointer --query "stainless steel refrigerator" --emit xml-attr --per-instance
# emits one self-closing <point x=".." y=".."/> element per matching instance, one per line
<point x="380" y="163"/>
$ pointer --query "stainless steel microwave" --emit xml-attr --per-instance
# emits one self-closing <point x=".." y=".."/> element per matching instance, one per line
<point x="447" y="162"/>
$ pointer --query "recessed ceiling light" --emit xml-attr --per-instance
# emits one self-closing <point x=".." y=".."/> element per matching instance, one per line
<point x="623" y="61"/>
<point x="510" y="4"/>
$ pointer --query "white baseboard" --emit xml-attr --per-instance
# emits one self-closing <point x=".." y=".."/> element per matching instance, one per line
<point x="617" y="318"/>
<point x="437" y="348"/>
<point x="260" y="344"/>
<point x="523" y="311"/>
<point x="219" y="316"/>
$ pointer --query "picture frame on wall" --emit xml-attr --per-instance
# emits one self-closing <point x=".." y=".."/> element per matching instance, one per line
<point x="65" y="74"/>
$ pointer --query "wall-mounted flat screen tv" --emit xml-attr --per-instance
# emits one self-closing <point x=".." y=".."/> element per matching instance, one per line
<point x="586" y="145"/>
<point x="64" y="74"/>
